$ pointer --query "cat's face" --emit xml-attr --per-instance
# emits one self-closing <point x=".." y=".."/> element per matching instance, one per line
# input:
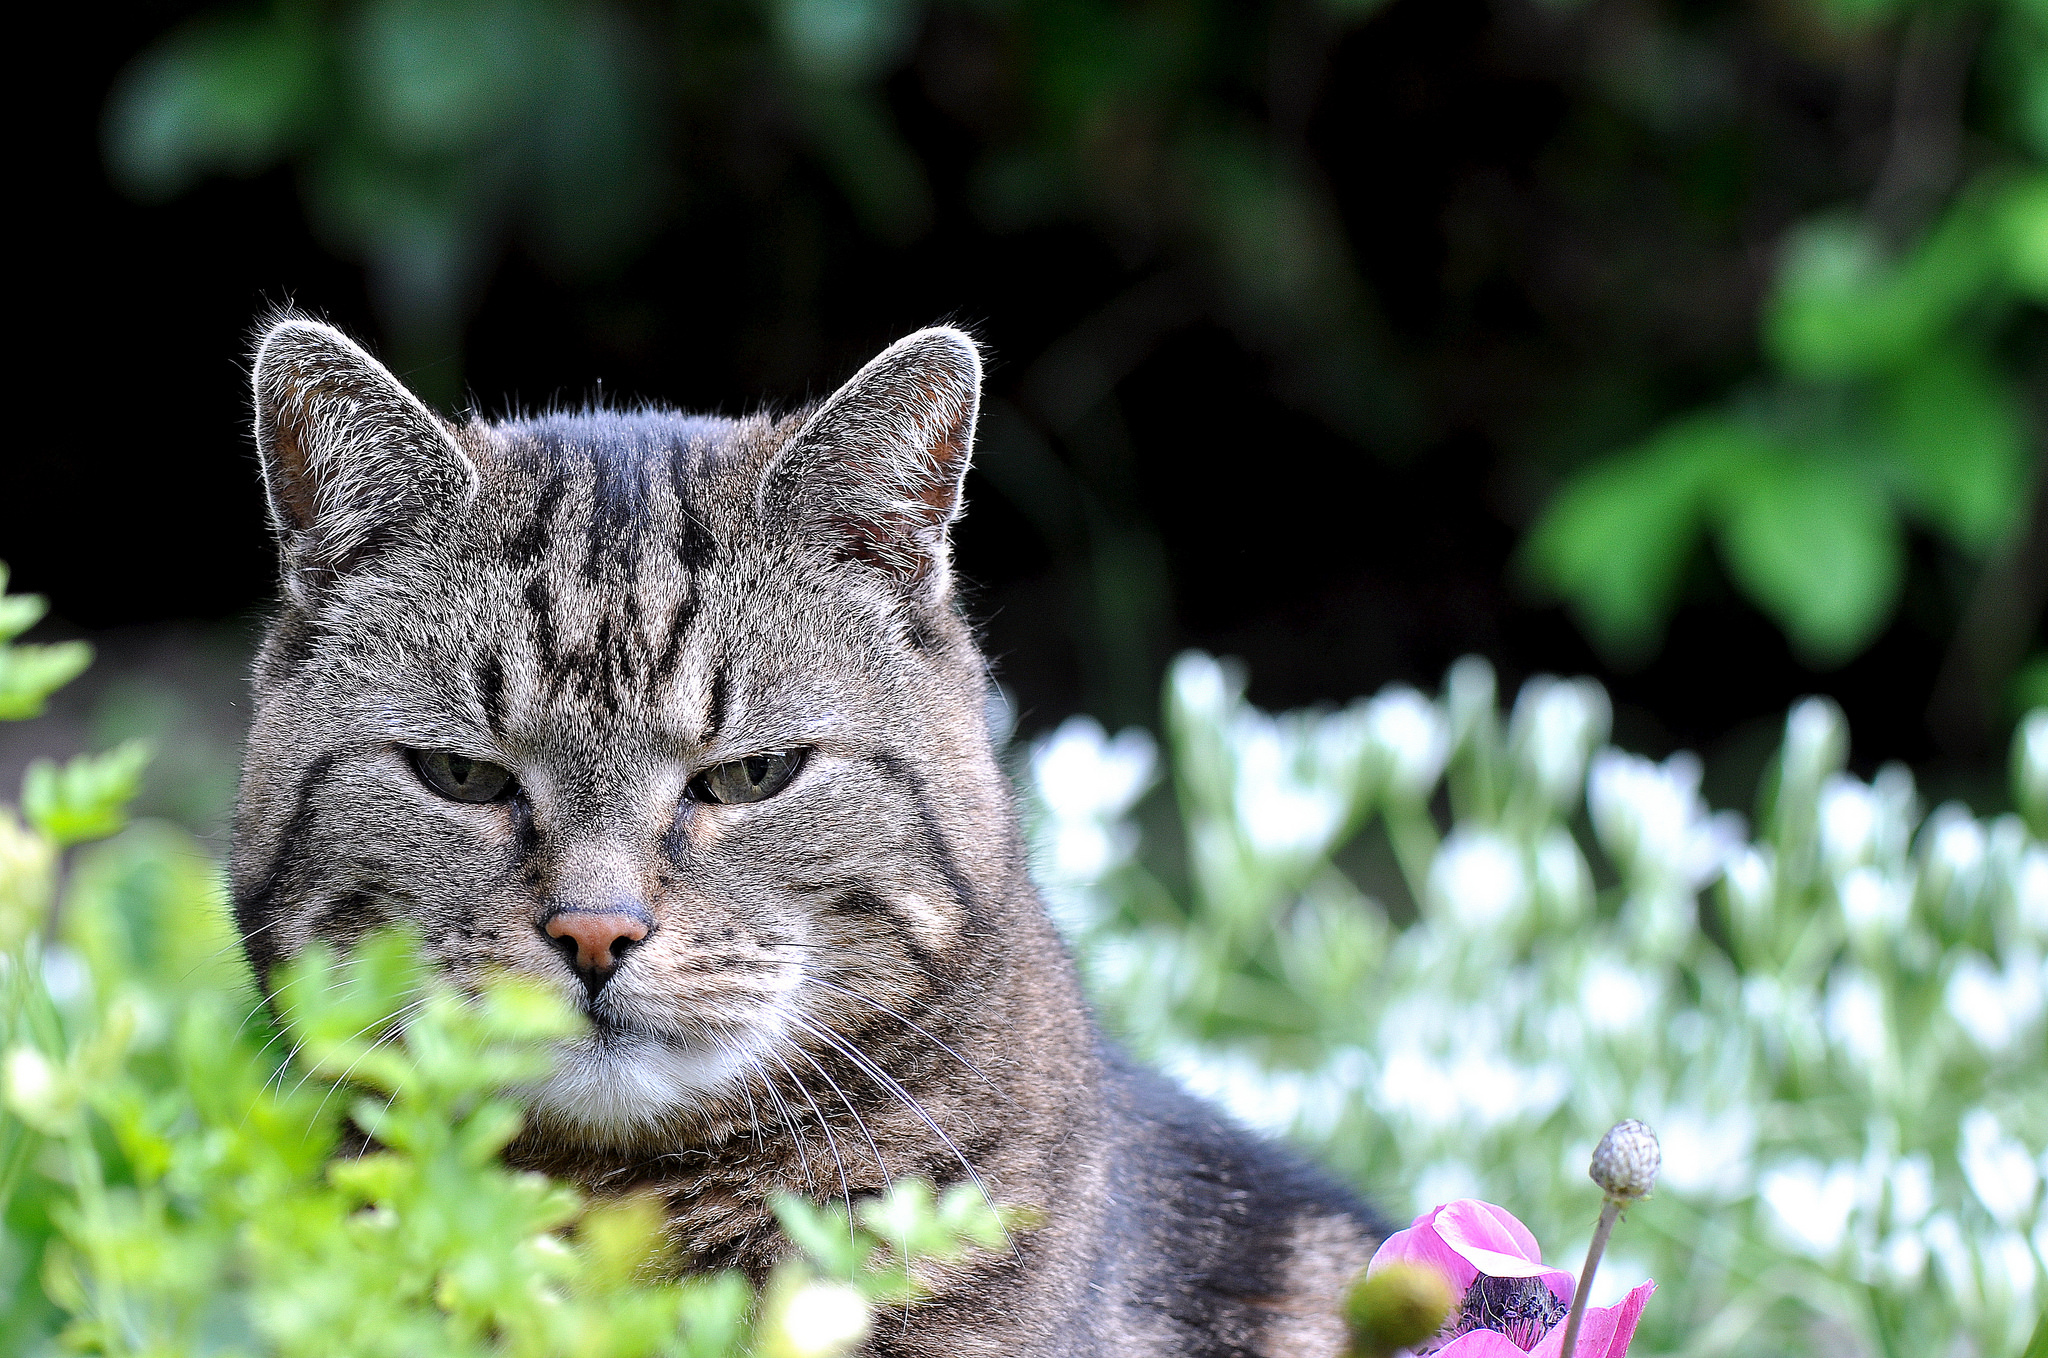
<point x="671" y="714"/>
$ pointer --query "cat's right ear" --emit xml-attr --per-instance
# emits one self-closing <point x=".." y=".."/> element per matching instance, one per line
<point x="349" y="455"/>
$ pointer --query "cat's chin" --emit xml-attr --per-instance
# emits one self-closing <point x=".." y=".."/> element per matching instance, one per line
<point x="620" y="1082"/>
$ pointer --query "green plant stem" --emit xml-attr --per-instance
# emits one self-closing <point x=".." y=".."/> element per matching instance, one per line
<point x="1608" y="1215"/>
<point x="1415" y="840"/>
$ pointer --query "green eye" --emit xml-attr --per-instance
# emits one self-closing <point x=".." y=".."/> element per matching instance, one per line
<point x="460" y="778"/>
<point x="752" y="779"/>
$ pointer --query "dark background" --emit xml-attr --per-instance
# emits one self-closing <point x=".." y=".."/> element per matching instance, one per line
<point x="1558" y="222"/>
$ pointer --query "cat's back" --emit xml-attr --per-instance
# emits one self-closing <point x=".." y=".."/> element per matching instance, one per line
<point x="1223" y="1242"/>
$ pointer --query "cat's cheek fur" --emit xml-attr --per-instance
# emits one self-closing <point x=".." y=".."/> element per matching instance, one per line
<point x="847" y="982"/>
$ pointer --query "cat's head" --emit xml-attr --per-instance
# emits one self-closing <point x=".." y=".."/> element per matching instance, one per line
<point x="673" y="713"/>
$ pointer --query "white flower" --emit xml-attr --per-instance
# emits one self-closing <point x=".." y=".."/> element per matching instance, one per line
<point x="1085" y="850"/>
<point x="1201" y="688"/>
<point x="2032" y="773"/>
<point x="1276" y="1102"/>
<point x="1408" y="740"/>
<point x="1816" y="742"/>
<point x="1082" y="774"/>
<point x="1994" y="1007"/>
<point x="1912" y="1186"/>
<point x="1651" y="819"/>
<point x="1953" y="847"/>
<point x="30" y="1081"/>
<point x="1707" y="1155"/>
<point x="1556" y="726"/>
<point x="822" y="1318"/>
<point x="1280" y="806"/>
<point x="1873" y="903"/>
<point x="1812" y="1203"/>
<point x="1478" y="879"/>
<point x="1563" y="881"/>
<point x="1473" y="1086"/>
<point x="1751" y="883"/>
<point x="2000" y="1170"/>
<point x="1849" y="819"/>
<point x="1905" y="1257"/>
<point x="1855" y="1016"/>
<point x="1616" y="997"/>
<point x="2030" y="891"/>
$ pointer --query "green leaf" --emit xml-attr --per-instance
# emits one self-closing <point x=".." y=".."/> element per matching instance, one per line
<point x="1957" y="434"/>
<point x="1614" y="541"/>
<point x="18" y="612"/>
<point x="1814" y="543"/>
<point x="30" y="674"/>
<point x="87" y="798"/>
<point x="218" y="95"/>
<point x="1843" y="307"/>
<point x="2023" y="225"/>
<point x="824" y="1233"/>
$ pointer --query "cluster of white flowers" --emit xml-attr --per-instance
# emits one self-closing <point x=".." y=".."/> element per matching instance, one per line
<point x="1837" y="1025"/>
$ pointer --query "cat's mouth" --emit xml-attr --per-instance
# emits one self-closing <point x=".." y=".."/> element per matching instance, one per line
<point x="628" y="1075"/>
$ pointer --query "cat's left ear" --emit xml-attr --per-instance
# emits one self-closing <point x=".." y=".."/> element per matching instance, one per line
<point x="349" y="456"/>
<point x="876" y="470"/>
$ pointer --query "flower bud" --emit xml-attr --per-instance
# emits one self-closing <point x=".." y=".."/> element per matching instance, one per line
<point x="1409" y="740"/>
<point x="1626" y="1160"/>
<point x="1397" y="1307"/>
<point x="1816" y="743"/>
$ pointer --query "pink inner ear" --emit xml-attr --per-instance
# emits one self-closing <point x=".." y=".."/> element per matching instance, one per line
<point x="878" y="467"/>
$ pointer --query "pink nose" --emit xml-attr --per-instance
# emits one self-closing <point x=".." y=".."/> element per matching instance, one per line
<point x="599" y="938"/>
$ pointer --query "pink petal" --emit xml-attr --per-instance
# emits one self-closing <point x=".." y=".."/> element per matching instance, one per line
<point x="1494" y="1243"/>
<point x="1420" y="1244"/>
<point x="1481" y="1344"/>
<point x="1606" y="1332"/>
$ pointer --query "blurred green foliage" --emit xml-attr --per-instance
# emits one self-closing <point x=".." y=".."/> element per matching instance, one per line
<point x="171" y="1182"/>
<point x="1891" y="398"/>
<point x="426" y="131"/>
<point x="28" y="673"/>
<point x="1835" y="1023"/>
<point x="421" y="129"/>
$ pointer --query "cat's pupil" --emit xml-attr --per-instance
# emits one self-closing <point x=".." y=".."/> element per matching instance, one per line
<point x="758" y="767"/>
<point x="460" y="769"/>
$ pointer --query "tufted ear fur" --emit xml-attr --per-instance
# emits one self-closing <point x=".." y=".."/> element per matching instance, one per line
<point x="349" y="455"/>
<point x="876" y="470"/>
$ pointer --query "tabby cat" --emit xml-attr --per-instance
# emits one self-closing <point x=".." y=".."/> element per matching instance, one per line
<point x="677" y="714"/>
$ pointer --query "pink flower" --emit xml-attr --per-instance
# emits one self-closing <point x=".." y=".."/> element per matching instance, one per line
<point x="1513" y="1303"/>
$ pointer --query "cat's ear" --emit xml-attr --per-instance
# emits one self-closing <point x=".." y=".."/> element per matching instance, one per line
<point x="349" y="455"/>
<point x="876" y="470"/>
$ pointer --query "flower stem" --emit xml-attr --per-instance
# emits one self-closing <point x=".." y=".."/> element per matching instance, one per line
<point x="1608" y="1213"/>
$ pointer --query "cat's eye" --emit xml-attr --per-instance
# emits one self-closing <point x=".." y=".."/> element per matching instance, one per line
<point x="460" y="778"/>
<point x="752" y="779"/>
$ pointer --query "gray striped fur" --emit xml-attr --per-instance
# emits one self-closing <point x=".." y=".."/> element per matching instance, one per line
<point x="849" y="981"/>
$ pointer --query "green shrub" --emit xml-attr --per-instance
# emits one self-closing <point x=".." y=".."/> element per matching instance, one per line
<point x="168" y="1177"/>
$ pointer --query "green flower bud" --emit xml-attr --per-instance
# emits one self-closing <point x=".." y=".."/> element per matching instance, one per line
<point x="1398" y="1307"/>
